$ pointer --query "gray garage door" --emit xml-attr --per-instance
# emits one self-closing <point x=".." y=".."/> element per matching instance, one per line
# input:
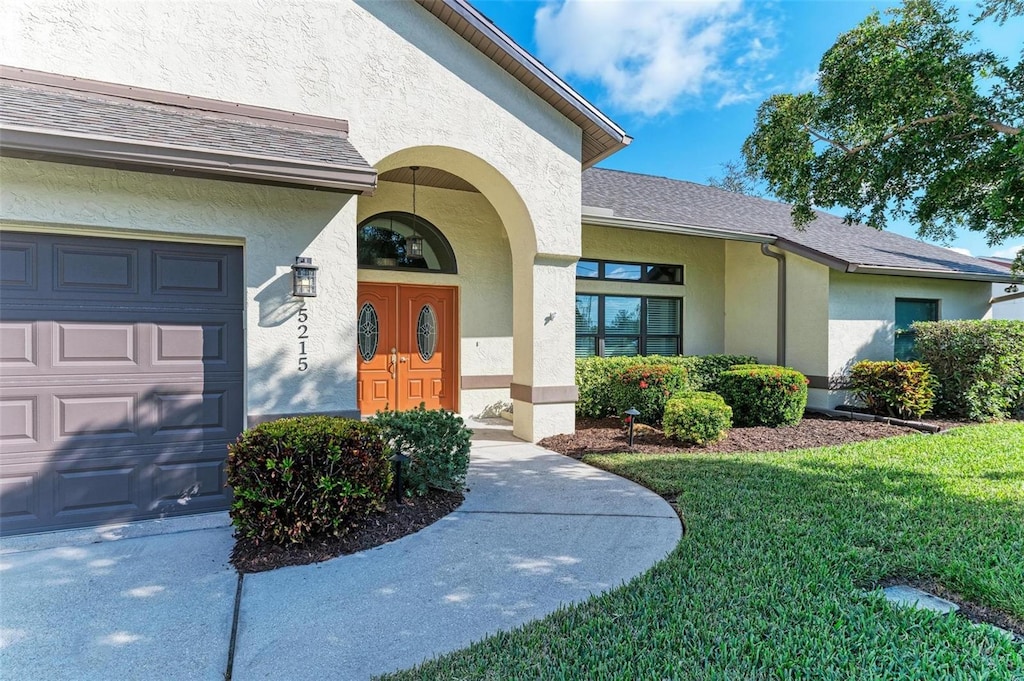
<point x="121" y="372"/>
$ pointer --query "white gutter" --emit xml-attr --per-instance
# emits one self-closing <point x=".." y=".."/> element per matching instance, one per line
<point x="607" y="220"/>
<point x="931" y="274"/>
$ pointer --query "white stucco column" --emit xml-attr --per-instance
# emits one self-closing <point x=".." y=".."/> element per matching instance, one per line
<point x="543" y="383"/>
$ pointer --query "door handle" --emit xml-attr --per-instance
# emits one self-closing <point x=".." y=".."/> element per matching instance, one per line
<point x="393" y="362"/>
<point x="403" y="359"/>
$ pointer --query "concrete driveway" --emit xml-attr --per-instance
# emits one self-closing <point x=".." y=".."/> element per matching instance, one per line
<point x="537" y="530"/>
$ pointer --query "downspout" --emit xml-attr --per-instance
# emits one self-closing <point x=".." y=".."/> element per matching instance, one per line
<point x="780" y="325"/>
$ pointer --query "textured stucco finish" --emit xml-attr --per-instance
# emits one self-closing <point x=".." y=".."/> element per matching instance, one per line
<point x="413" y="93"/>
<point x="862" y="312"/>
<point x="703" y="292"/>
<point x="751" y="294"/>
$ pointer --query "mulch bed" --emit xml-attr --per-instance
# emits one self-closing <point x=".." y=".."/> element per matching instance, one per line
<point x="399" y="519"/>
<point x="607" y="436"/>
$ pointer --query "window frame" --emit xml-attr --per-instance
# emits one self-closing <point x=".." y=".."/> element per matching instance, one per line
<point x="899" y="333"/>
<point x="422" y="228"/>
<point x="644" y="274"/>
<point x="642" y="336"/>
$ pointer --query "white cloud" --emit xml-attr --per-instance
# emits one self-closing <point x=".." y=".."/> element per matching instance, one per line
<point x="961" y="251"/>
<point x="650" y="55"/>
<point x="1009" y="252"/>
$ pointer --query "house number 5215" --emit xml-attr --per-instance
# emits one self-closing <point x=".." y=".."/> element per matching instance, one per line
<point x="303" y="337"/>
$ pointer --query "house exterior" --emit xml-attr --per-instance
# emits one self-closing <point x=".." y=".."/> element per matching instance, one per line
<point x="164" y="164"/>
<point x="1007" y="300"/>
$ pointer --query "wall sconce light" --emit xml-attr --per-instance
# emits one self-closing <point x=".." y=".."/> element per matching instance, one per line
<point x="304" y="277"/>
<point x="414" y="247"/>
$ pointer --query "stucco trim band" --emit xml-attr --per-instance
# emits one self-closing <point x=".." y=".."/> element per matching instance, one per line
<point x="484" y="382"/>
<point x="62" y="147"/>
<point x="545" y="394"/>
<point x="254" y="420"/>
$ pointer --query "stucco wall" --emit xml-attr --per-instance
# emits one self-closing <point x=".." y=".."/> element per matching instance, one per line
<point x="484" y="278"/>
<point x="414" y="94"/>
<point x="272" y="224"/>
<point x="703" y="290"/>
<point x="862" y="309"/>
<point x="750" y="298"/>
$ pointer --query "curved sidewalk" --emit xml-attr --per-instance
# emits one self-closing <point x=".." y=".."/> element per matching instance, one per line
<point x="156" y="599"/>
<point x="537" y="530"/>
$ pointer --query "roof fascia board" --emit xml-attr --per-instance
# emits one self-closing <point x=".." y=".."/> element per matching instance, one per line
<point x="146" y="95"/>
<point x="813" y="255"/>
<point x="48" y="145"/>
<point x="688" y="230"/>
<point x="618" y="137"/>
<point x="934" y="274"/>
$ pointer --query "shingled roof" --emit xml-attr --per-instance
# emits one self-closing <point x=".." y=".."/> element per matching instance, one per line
<point x="53" y="117"/>
<point x="633" y="200"/>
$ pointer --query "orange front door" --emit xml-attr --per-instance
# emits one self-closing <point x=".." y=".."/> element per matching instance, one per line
<point x="407" y="347"/>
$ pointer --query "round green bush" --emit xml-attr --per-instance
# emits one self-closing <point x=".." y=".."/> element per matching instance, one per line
<point x="700" y="418"/>
<point x="764" y="395"/>
<point x="646" y="388"/>
<point x="436" y="442"/>
<point x="300" y="478"/>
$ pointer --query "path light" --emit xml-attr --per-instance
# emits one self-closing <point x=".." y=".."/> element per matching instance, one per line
<point x="631" y="415"/>
<point x="397" y="461"/>
<point x="304" y="277"/>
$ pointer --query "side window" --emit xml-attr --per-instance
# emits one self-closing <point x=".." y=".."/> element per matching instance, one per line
<point x="908" y="311"/>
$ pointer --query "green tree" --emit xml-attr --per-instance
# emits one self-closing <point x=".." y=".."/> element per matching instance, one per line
<point x="909" y="121"/>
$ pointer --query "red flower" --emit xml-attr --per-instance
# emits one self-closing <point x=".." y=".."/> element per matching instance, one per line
<point x="643" y="384"/>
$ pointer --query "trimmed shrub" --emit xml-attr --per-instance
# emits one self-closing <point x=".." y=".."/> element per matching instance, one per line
<point x="646" y="388"/>
<point x="764" y="395"/>
<point x="594" y="376"/>
<point x="300" y="478"/>
<point x="901" y="389"/>
<point x="700" y="418"/>
<point x="436" y="442"/>
<point x="979" y="366"/>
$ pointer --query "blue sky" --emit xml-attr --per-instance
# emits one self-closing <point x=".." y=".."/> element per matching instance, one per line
<point x="685" y="77"/>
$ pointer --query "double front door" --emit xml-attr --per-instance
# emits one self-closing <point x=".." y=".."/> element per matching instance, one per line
<point x="406" y="339"/>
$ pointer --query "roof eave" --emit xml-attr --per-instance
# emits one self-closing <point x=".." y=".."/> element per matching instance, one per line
<point x="605" y="133"/>
<point x="991" y="278"/>
<point x="57" y="146"/>
<point x="688" y="230"/>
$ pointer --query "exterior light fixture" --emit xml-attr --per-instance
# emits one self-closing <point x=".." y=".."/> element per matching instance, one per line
<point x="304" y="278"/>
<point x="414" y="243"/>
<point x="631" y="415"/>
<point x="397" y="461"/>
<point x="1012" y="288"/>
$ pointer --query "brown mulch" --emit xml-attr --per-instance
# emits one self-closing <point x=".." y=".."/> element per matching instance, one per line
<point x="606" y="436"/>
<point x="972" y="611"/>
<point x="399" y="519"/>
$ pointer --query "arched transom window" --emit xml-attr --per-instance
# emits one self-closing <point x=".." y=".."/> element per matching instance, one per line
<point x="402" y="241"/>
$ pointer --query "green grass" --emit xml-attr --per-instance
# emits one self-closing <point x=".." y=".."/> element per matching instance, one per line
<point x="768" y="582"/>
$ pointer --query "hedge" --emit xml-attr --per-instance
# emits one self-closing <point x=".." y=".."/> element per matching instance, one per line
<point x="436" y="442"/>
<point x="700" y="418"/>
<point x="594" y="376"/>
<point x="764" y="395"/>
<point x="646" y="388"/>
<point x="979" y="366"/>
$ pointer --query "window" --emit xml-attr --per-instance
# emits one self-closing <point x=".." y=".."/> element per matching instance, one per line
<point x="628" y="271"/>
<point x="400" y="241"/>
<point x="908" y="311"/>
<point x="612" y="325"/>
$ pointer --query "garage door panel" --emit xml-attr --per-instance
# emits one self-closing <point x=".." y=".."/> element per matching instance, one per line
<point x="18" y="265"/>
<point x="121" y="379"/>
<point x="95" y="345"/>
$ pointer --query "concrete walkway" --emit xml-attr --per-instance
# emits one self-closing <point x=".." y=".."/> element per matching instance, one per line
<point x="537" y="530"/>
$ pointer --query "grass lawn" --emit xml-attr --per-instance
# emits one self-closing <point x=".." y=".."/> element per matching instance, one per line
<point x="768" y="582"/>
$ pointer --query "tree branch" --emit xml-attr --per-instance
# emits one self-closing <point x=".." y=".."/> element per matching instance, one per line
<point x="927" y="120"/>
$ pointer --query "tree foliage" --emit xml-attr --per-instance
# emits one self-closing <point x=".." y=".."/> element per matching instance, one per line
<point x="737" y="178"/>
<point x="909" y="121"/>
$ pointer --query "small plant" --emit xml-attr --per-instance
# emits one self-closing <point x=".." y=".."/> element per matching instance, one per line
<point x="646" y="388"/>
<point x="299" y="478"/>
<point x="901" y="389"/>
<point x="764" y="395"/>
<point x="437" y="443"/>
<point x="701" y="418"/>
